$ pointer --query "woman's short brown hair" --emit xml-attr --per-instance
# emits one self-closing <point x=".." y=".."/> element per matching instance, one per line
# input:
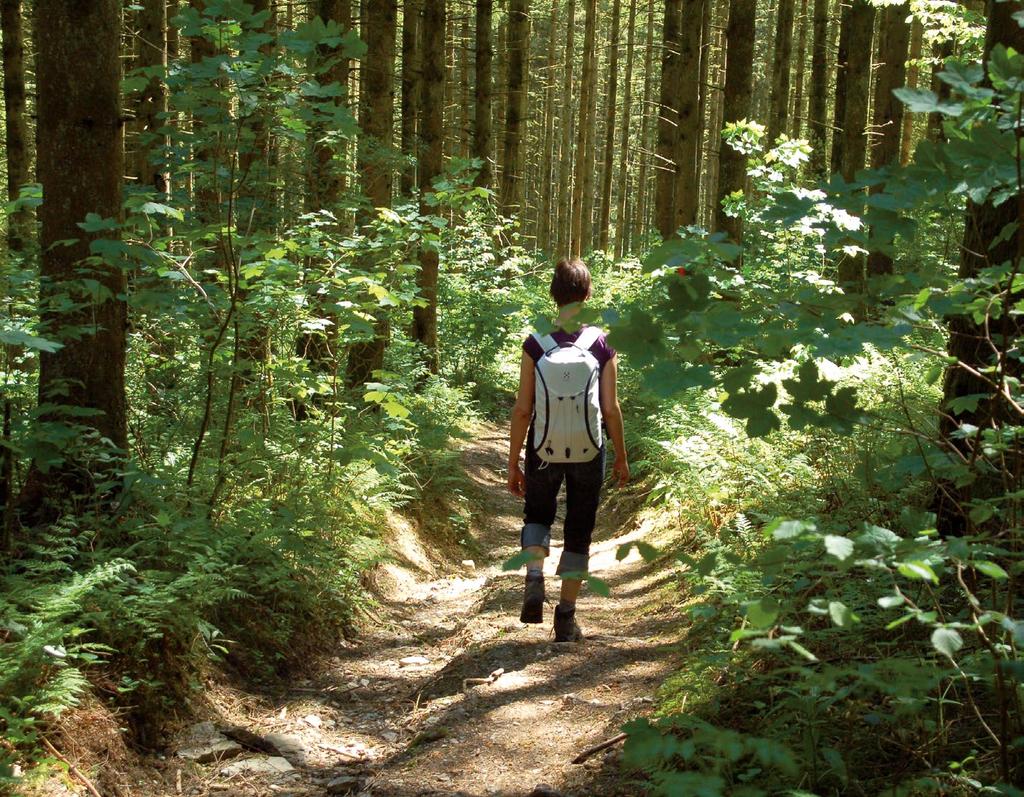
<point x="571" y="282"/>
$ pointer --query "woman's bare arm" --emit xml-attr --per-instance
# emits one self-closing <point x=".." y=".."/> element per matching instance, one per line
<point x="613" y="419"/>
<point x="522" y="414"/>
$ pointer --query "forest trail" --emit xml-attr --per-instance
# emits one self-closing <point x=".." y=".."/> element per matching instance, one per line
<point x="393" y="715"/>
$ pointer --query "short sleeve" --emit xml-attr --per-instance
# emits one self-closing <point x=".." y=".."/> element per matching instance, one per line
<point x="602" y="351"/>
<point x="533" y="348"/>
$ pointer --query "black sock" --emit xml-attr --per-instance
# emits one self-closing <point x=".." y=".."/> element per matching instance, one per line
<point x="567" y="605"/>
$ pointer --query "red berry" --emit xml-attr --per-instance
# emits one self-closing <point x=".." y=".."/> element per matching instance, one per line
<point x="681" y="271"/>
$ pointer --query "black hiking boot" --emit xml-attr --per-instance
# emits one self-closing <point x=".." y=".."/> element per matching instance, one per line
<point x="533" y="600"/>
<point x="566" y="629"/>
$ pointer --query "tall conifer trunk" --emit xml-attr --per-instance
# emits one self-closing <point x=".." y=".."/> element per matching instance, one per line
<point x="642" y="182"/>
<point x="584" y="133"/>
<point x="78" y="75"/>
<point x="432" y="164"/>
<point x="913" y="79"/>
<point x="152" y="102"/>
<point x="668" y="120"/>
<point x="376" y="93"/>
<point x="839" y="104"/>
<point x="888" y="111"/>
<point x="778" y="107"/>
<point x="548" y="186"/>
<point x="686" y="193"/>
<point x="621" y="227"/>
<point x="517" y="55"/>
<point x="739" y="88"/>
<point x="482" y="112"/>
<point x="410" y="91"/>
<point x="818" y="108"/>
<point x="565" y="117"/>
<point x="797" y="117"/>
<point x="612" y="88"/>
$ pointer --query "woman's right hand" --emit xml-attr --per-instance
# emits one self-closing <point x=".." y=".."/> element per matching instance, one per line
<point x="516" y="480"/>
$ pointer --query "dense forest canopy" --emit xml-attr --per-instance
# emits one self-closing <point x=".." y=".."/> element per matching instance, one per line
<point x="267" y="263"/>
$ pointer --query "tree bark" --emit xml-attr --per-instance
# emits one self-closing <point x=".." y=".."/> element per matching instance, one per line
<point x="152" y="103"/>
<point x="517" y="52"/>
<point x="78" y="75"/>
<point x="410" y="92"/>
<point x="548" y="187"/>
<point x="565" y="187"/>
<point x="778" y="109"/>
<point x="913" y="79"/>
<point x="686" y="193"/>
<point x="431" y="165"/>
<point x="621" y="227"/>
<point x="668" y="121"/>
<point x="739" y="89"/>
<point x="818" y="109"/>
<point x="857" y="92"/>
<point x="612" y="89"/>
<point x="839" y="105"/>
<point x="858" y="88"/>
<point x="797" y="117"/>
<point x="16" y="136"/>
<point x="377" y="79"/>
<point x="584" y="133"/>
<point x="643" y="189"/>
<point x="888" y="111"/>
<point x="483" y="111"/>
<point x="970" y="342"/>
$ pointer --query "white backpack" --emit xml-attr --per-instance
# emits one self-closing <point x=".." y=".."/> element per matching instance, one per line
<point x="567" y="404"/>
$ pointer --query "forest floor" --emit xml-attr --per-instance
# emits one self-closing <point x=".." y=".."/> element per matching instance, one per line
<point x="393" y="714"/>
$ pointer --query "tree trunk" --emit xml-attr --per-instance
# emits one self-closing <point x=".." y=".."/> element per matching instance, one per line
<point x="797" y="118"/>
<point x="688" y="132"/>
<point x="643" y="189"/>
<point x="888" y="111"/>
<point x="465" y="124"/>
<point x="913" y="79"/>
<point x="839" y="106"/>
<point x="818" y="110"/>
<point x="612" y="89"/>
<point x="584" y="139"/>
<point x="943" y="50"/>
<point x="482" y="145"/>
<point x="739" y="89"/>
<point x="565" y="188"/>
<point x="621" y="228"/>
<point x="431" y="165"/>
<point x="548" y="188"/>
<point x="971" y="343"/>
<point x="778" y="112"/>
<point x="152" y="104"/>
<point x="377" y="79"/>
<point x="78" y="74"/>
<point x="858" y="88"/>
<point x="517" y="53"/>
<point x="410" y="91"/>
<point x="668" y="121"/>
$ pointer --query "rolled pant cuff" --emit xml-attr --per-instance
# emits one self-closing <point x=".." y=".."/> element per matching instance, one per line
<point x="573" y="563"/>
<point x="536" y="534"/>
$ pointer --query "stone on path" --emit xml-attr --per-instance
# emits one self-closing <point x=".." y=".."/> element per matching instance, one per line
<point x="257" y="766"/>
<point x="292" y="748"/>
<point x="204" y="744"/>
<point x="414" y="661"/>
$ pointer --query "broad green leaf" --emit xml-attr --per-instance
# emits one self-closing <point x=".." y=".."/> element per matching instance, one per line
<point x="922" y="571"/>
<point x="947" y="641"/>
<point x="840" y="547"/>
<point x="991" y="569"/>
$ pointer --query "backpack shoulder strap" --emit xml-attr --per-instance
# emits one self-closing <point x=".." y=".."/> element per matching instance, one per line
<point x="547" y="343"/>
<point x="588" y="337"/>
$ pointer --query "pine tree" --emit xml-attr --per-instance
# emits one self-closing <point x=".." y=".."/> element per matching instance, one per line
<point x="517" y="54"/>
<point x="585" y="132"/>
<point x="778" y="119"/>
<point x="818" y="110"/>
<point x="482" y="112"/>
<point x="739" y="87"/>
<point x="668" y="120"/>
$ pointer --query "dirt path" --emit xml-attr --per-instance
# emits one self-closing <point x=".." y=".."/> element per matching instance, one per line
<point x="393" y="716"/>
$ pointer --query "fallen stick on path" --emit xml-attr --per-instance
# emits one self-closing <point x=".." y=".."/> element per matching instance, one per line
<point x="71" y="768"/>
<point x="490" y="679"/>
<point x="597" y="748"/>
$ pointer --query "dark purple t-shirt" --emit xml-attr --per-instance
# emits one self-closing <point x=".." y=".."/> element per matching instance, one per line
<point x="601" y="350"/>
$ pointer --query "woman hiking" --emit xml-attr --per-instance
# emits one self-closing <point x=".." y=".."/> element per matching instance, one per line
<point x="567" y="387"/>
